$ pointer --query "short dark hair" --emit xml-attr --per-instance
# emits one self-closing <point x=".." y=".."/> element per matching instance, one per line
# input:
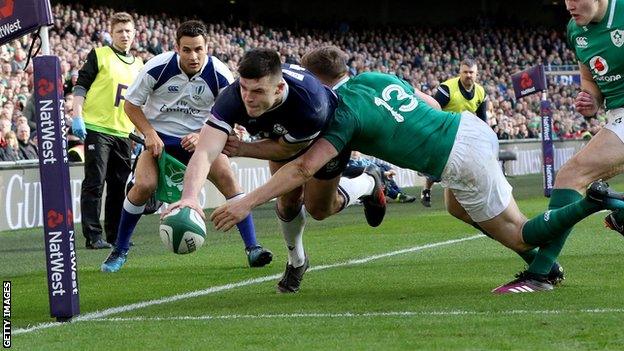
<point x="260" y="62"/>
<point x="191" y="29"/>
<point x="121" y="17"/>
<point x="468" y="62"/>
<point x="326" y="61"/>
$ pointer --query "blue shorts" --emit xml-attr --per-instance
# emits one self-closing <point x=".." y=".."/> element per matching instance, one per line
<point x="173" y="146"/>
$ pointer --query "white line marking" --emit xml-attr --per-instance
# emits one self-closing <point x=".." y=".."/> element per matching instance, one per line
<point x="357" y="315"/>
<point x="215" y="289"/>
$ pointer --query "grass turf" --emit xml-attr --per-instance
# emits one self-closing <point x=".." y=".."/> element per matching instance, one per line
<point x="434" y="298"/>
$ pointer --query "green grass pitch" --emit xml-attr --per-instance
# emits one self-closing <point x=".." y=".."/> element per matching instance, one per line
<point x="408" y="284"/>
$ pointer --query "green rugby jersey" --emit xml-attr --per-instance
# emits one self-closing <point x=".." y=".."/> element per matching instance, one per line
<point x="600" y="47"/>
<point x="379" y="115"/>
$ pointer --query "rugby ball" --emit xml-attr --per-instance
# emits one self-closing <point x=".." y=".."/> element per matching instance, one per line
<point x="183" y="230"/>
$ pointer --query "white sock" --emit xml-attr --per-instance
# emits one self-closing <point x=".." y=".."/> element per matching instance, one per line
<point x="293" y="236"/>
<point x="132" y="208"/>
<point x="354" y="188"/>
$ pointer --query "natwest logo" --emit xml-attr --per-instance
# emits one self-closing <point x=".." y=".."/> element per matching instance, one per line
<point x="44" y="87"/>
<point x="54" y="219"/>
<point x="599" y="65"/>
<point x="525" y="81"/>
<point x="6" y="8"/>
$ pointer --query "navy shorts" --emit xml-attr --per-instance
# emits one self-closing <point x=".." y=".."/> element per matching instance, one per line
<point x="173" y="146"/>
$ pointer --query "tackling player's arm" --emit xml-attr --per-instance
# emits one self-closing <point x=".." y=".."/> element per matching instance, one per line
<point x="590" y="97"/>
<point x="292" y="175"/>
<point x="428" y="99"/>
<point x="211" y="142"/>
<point x="265" y="149"/>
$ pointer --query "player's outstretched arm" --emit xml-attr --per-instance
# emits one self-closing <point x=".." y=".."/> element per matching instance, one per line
<point x="292" y="175"/>
<point x="211" y="142"/>
<point x="590" y="98"/>
<point x="265" y="149"/>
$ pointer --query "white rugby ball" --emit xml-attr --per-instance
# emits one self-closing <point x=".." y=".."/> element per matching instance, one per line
<point x="183" y="231"/>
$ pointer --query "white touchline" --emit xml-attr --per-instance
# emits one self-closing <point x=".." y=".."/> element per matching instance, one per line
<point x="215" y="289"/>
<point x="358" y="315"/>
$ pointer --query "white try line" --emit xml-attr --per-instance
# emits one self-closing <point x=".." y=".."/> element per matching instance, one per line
<point x="135" y="306"/>
<point x="449" y="313"/>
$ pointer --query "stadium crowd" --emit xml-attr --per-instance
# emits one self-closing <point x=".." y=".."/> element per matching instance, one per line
<point x="424" y="57"/>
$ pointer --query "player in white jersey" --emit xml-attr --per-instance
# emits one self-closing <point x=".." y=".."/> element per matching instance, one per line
<point x="169" y="103"/>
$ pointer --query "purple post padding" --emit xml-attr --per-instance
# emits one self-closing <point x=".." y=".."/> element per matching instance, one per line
<point x="548" y="150"/>
<point x="55" y="189"/>
<point x="20" y="17"/>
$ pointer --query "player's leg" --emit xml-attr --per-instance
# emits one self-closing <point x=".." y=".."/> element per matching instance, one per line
<point x="425" y="195"/>
<point x="146" y="181"/>
<point x="222" y="176"/>
<point x="489" y="203"/>
<point x="454" y="208"/>
<point x="322" y="198"/>
<point x="328" y="193"/>
<point x="119" y="167"/>
<point x="96" y="161"/>
<point x="291" y="218"/>
<point x="487" y="197"/>
<point x="551" y="226"/>
<point x="602" y="158"/>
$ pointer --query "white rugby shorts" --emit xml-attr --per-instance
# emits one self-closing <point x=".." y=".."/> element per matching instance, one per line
<point x="473" y="172"/>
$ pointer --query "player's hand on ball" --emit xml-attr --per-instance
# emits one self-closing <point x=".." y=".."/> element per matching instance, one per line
<point x="586" y="104"/>
<point x="189" y="142"/>
<point x="232" y="146"/>
<point x="228" y="215"/>
<point x="181" y="204"/>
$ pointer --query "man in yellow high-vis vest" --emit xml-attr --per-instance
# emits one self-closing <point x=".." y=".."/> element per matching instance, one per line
<point x="459" y="94"/>
<point x="99" y="119"/>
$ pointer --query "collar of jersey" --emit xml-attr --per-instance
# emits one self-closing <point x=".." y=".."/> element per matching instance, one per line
<point x="283" y="97"/>
<point x="341" y="82"/>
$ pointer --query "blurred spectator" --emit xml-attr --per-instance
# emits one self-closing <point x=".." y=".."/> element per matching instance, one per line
<point x="422" y="56"/>
<point x="11" y="149"/>
<point x="27" y="149"/>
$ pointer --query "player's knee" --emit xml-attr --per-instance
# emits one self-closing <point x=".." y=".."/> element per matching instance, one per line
<point x="318" y="212"/>
<point x="288" y="208"/>
<point x="458" y="212"/>
<point x="142" y="190"/>
<point x="459" y="215"/>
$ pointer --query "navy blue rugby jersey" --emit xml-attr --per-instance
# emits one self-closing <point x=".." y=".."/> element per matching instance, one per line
<point x="304" y="112"/>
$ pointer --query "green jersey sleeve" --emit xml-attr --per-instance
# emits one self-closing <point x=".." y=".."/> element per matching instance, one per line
<point x="341" y="129"/>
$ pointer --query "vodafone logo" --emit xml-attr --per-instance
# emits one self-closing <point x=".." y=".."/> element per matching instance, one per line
<point x="599" y="65"/>
<point x="6" y="8"/>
